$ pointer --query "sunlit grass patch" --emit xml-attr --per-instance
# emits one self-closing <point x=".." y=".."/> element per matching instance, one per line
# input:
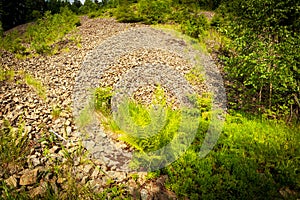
<point x="6" y="75"/>
<point x="253" y="159"/>
<point x="195" y="76"/>
<point x="23" y="77"/>
<point x="56" y="111"/>
<point x="37" y="85"/>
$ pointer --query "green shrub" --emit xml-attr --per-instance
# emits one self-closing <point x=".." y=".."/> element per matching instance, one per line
<point x="194" y="26"/>
<point x="13" y="146"/>
<point x="126" y="13"/>
<point x="88" y="7"/>
<point x="150" y="128"/>
<point x="13" y="43"/>
<point x="102" y="100"/>
<point x="148" y="121"/>
<point x="36" y="14"/>
<point x="216" y="21"/>
<point x="262" y="63"/>
<point x="154" y="11"/>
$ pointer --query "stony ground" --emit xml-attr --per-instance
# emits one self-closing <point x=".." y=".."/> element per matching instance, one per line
<point x="114" y="51"/>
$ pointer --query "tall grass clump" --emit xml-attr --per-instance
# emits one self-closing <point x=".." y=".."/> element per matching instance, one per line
<point x="37" y="85"/>
<point x="6" y="75"/>
<point x="13" y="146"/>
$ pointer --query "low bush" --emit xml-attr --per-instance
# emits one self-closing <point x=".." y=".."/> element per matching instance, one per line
<point x="153" y="12"/>
<point x="127" y="14"/>
<point x="194" y="26"/>
<point x="150" y="128"/>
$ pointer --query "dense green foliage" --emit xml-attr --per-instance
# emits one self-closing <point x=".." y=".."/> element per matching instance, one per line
<point x="253" y="159"/>
<point x="146" y="133"/>
<point x="10" y="137"/>
<point x="102" y="100"/>
<point x="262" y="59"/>
<point x="150" y="128"/>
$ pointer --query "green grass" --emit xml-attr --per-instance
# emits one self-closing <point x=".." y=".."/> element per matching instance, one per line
<point x="36" y="85"/>
<point x="253" y="159"/>
<point x="21" y="77"/>
<point x="42" y="36"/>
<point x="6" y="75"/>
<point x="13" y="146"/>
<point x="56" y="111"/>
<point x="136" y="122"/>
<point x="195" y="75"/>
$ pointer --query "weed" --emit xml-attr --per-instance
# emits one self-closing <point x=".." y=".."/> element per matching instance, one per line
<point x="13" y="146"/>
<point x="149" y="128"/>
<point x="37" y="85"/>
<point x="6" y="75"/>
<point x="195" y="76"/>
<point x="102" y="98"/>
<point x="56" y="110"/>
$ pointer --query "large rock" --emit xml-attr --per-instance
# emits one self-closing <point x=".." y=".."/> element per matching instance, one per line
<point x="12" y="181"/>
<point x="29" y="177"/>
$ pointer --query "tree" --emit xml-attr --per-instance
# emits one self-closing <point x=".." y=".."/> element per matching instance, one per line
<point x="12" y="13"/>
<point x="264" y="55"/>
<point x="88" y="7"/>
<point x="34" y="9"/>
<point x="15" y="12"/>
<point x="75" y="6"/>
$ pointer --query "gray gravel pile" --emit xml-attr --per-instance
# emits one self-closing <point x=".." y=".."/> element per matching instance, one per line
<point x="18" y="101"/>
<point x="106" y="63"/>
